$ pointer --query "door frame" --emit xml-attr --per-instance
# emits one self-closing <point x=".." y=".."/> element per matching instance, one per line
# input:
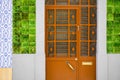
<point x="80" y="58"/>
<point x="101" y="55"/>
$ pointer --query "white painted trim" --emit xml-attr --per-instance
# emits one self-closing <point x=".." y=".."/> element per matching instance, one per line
<point x="113" y="66"/>
<point x="102" y="63"/>
<point x="40" y="39"/>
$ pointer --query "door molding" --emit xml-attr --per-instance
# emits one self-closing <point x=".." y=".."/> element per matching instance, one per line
<point x="102" y="57"/>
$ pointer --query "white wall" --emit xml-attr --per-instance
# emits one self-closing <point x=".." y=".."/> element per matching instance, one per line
<point x="101" y="41"/>
<point x="23" y="67"/>
<point x="114" y="67"/>
<point x="108" y="65"/>
<point x="32" y="66"/>
<point x="40" y="56"/>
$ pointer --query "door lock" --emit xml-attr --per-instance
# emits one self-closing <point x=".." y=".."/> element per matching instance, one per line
<point x="78" y="28"/>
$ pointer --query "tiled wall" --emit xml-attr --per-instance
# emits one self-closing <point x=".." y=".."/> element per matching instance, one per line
<point x="5" y="33"/>
<point x="24" y="26"/>
<point x="113" y="26"/>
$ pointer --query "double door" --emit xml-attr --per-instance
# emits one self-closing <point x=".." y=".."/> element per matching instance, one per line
<point x="70" y="42"/>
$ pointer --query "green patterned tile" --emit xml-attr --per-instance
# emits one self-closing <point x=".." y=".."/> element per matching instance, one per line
<point x="16" y="9"/>
<point x="32" y="49"/>
<point x="31" y="15"/>
<point x="24" y="26"/>
<point x="32" y="9"/>
<point x="32" y="31"/>
<point x="24" y="49"/>
<point x="25" y="8"/>
<point x="31" y="38"/>
<point x="32" y="44"/>
<point x="113" y="26"/>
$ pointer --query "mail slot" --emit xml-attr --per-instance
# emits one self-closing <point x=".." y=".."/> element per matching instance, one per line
<point x="87" y="63"/>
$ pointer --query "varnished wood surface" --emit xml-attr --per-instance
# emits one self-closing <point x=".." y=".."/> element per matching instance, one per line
<point x="5" y="73"/>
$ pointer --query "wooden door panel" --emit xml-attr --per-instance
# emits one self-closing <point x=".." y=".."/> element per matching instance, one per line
<point x="87" y="69"/>
<point x="60" y="70"/>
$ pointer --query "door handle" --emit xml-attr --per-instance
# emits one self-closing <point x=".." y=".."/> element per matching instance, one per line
<point x="78" y="28"/>
<point x="70" y="66"/>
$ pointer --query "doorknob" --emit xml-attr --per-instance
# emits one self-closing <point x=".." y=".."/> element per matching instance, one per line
<point x="76" y="59"/>
<point x="70" y="66"/>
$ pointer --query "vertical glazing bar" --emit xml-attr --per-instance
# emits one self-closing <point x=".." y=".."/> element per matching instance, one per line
<point x="55" y="33"/>
<point x="68" y="2"/>
<point x="78" y="32"/>
<point x="77" y="42"/>
<point x="96" y="26"/>
<point x="68" y="32"/>
<point x="54" y="2"/>
<point x="46" y="37"/>
<point x="79" y="35"/>
<point x="79" y="2"/>
<point x="88" y="27"/>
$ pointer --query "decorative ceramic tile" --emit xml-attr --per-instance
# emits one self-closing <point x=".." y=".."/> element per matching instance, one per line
<point x="5" y="33"/>
<point x="24" y="24"/>
<point x="113" y="26"/>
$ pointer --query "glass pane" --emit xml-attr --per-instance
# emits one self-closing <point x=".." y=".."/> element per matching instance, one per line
<point x="50" y="29"/>
<point x="62" y="29"/>
<point x="93" y="16"/>
<point x="92" y="49"/>
<point x="61" y="2"/>
<point x="74" y="2"/>
<point x="84" y="15"/>
<point x="50" y="49"/>
<point x="84" y="48"/>
<point x="61" y="36"/>
<point x="73" y="29"/>
<point x="73" y="16"/>
<point x="84" y="2"/>
<point x="84" y="33"/>
<point x="50" y="33"/>
<point x="62" y="33"/>
<point x="93" y="33"/>
<point x="49" y="2"/>
<point x="50" y="16"/>
<point x="73" y="33"/>
<point x="62" y="16"/>
<point x="93" y="2"/>
<point x="62" y="49"/>
<point x="73" y="49"/>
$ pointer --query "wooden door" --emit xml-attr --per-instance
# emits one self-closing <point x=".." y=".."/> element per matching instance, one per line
<point x="70" y="39"/>
<point x="87" y="40"/>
